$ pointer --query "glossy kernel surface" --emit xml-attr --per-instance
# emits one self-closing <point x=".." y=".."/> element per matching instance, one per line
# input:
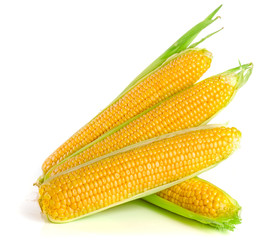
<point x="120" y="177"/>
<point x="200" y="197"/>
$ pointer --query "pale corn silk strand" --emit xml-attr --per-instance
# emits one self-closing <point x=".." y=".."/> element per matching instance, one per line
<point x="133" y="173"/>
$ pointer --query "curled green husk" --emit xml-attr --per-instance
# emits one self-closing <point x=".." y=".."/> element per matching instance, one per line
<point x="227" y="222"/>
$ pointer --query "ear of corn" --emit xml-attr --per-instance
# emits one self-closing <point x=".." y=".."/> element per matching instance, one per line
<point x="135" y="171"/>
<point x="158" y="81"/>
<point x="176" y="75"/>
<point x="190" y="108"/>
<point x="180" y="45"/>
<point x="199" y="200"/>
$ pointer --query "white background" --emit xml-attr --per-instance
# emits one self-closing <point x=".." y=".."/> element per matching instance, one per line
<point x="61" y="62"/>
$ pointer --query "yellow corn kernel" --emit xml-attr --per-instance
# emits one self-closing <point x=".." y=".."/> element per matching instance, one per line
<point x="201" y="197"/>
<point x="190" y="108"/>
<point x="176" y="75"/>
<point x="121" y="176"/>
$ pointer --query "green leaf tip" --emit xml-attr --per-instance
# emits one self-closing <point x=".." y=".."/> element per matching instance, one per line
<point x="245" y="73"/>
<point x="203" y="39"/>
<point x="39" y="181"/>
<point x="239" y="76"/>
<point x="182" y="43"/>
<point x="214" y="12"/>
<point x="228" y="224"/>
<point x="185" y="41"/>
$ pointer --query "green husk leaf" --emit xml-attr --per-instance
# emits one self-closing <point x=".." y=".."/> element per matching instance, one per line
<point x="203" y="39"/>
<point x="223" y="223"/>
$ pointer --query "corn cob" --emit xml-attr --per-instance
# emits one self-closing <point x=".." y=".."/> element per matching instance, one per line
<point x="190" y="108"/>
<point x="136" y="171"/>
<point x="199" y="200"/>
<point x="176" y="69"/>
